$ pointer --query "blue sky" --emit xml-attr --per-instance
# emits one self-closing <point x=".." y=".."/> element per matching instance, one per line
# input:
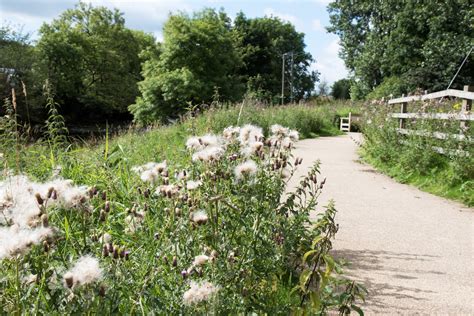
<point x="308" y="16"/>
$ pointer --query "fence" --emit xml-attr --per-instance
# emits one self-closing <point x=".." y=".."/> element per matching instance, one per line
<point x="464" y="116"/>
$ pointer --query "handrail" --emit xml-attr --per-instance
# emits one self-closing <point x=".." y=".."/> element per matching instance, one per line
<point x="435" y="95"/>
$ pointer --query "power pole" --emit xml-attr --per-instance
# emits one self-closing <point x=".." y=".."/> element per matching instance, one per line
<point x="283" y="79"/>
<point x="291" y="77"/>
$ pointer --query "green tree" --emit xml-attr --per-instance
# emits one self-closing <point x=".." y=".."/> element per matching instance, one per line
<point x="341" y="89"/>
<point x="92" y="60"/>
<point x="198" y="57"/>
<point x="262" y="43"/>
<point x="16" y="64"/>
<point x="421" y="42"/>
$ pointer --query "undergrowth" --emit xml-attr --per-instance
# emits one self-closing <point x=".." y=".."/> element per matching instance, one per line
<point x="416" y="159"/>
<point x="208" y="230"/>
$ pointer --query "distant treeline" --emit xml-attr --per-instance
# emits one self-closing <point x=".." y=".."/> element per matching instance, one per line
<point x="395" y="47"/>
<point x="99" y="69"/>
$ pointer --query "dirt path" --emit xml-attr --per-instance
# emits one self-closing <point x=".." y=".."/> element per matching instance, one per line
<point x="413" y="251"/>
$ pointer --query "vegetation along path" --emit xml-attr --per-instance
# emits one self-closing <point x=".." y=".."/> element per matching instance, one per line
<point x="413" y="251"/>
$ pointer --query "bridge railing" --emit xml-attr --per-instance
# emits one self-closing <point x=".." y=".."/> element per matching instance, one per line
<point x="464" y="116"/>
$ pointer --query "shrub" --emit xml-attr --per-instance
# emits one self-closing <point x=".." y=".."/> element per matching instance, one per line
<point x="416" y="157"/>
<point x="212" y="232"/>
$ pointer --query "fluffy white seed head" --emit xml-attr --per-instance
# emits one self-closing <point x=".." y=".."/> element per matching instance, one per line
<point x="19" y="202"/>
<point x="250" y="133"/>
<point x="247" y="168"/>
<point x="86" y="270"/>
<point x="208" y="154"/>
<point x="15" y="240"/>
<point x="199" y="292"/>
<point x="199" y="217"/>
<point x="200" y="260"/>
<point x="193" y="185"/>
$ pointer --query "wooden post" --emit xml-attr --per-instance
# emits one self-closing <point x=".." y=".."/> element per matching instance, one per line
<point x="466" y="107"/>
<point x="403" y="109"/>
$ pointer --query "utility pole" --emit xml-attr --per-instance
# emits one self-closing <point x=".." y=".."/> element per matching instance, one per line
<point x="283" y="79"/>
<point x="291" y="77"/>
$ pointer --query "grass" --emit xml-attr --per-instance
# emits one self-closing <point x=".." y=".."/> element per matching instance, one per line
<point x="411" y="159"/>
<point x="259" y="257"/>
<point x="434" y="182"/>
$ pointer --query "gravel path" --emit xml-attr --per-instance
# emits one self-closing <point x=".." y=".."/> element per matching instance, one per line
<point x="413" y="251"/>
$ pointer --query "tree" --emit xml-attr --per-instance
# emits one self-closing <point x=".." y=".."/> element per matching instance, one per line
<point x="92" y="60"/>
<point x="197" y="58"/>
<point x="262" y="43"/>
<point x="16" y="63"/>
<point x="341" y="89"/>
<point x="422" y="43"/>
<point x="323" y="88"/>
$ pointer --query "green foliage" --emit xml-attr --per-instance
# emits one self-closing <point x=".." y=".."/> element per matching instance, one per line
<point x="390" y="87"/>
<point x="255" y="236"/>
<point x="341" y="89"/>
<point x="197" y="57"/>
<point x="17" y="57"/>
<point x="92" y="60"/>
<point x="262" y="42"/>
<point x="423" y="42"/>
<point x="414" y="158"/>
<point x="55" y="127"/>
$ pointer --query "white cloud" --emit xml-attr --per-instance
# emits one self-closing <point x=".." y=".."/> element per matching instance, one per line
<point x="317" y="26"/>
<point x="329" y="64"/>
<point x="283" y="16"/>
<point x="322" y="2"/>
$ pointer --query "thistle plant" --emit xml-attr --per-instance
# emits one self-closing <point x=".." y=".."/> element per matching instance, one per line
<point x="215" y="234"/>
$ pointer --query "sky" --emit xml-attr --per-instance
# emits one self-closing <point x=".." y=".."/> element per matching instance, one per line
<point x="308" y="16"/>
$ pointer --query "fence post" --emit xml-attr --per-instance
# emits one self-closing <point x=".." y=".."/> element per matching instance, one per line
<point x="403" y="109"/>
<point x="466" y="107"/>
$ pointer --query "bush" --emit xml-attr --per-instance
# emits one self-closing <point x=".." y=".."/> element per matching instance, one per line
<point x="392" y="86"/>
<point x="415" y="158"/>
<point x="209" y="231"/>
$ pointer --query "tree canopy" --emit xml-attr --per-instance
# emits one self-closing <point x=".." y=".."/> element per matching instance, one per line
<point x="92" y="59"/>
<point x="341" y="89"/>
<point x="204" y="55"/>
<point x="420" y="43"/>
<point x="262" y="43"/>
<point x="197" y="58"/>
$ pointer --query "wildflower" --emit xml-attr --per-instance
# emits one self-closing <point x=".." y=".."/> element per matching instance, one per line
<point x="248" y="168"/>
<point x="231" y="132"/>
<point x="193" y="185"/>
<point x="30" y="278"/>
<point x="133" y="222"/>
<point x="85" y="271"/>
<point x="208" y="154"/>
<point x="199" y="292"/>
<point x="200" y="260"/>
<point x="294" y="135"/>
<point x="150" y="171"/>
<point x="20" y="198"/>
<point x="168" y="190"/>
<point x="210" y="140"/>
<point x="199" y="217"/>
<point x="279" y="130"/>
<point x="105" y="238"/>
<point x="16" y="240"/>
<point x="252" y="148"/>
<point x="250" y="133"/>
<point x="193" y="143"/>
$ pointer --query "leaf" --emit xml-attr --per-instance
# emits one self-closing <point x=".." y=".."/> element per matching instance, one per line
<point x="307" y="254"/>
<point x="358" y="310"/>
<point x="66" y="228"/>
<point x="304" y="277"/>
<point x="329" y="264"/>
<point x="316" y="241"/>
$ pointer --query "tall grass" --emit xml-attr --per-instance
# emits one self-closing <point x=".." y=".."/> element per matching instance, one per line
<point x="255" y="246"/>
<point x="415" y="158"/>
